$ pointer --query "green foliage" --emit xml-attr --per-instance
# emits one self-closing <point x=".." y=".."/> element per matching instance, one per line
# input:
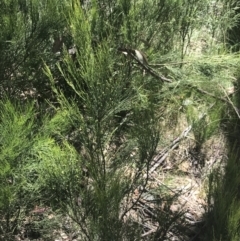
<point x="223" y="214"/>
<point x="86" y="153"/>
<point x="17" y="130"/>
<point x="204" y="124"/>
<point x="25" y="40"/>
<point x="102" y="94"/>
<point x="23" y="146"/>
<point x="223" y="218"/>
<point x="105" y="99"/>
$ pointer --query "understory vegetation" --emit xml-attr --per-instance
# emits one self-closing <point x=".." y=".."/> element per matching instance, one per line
<point x="98" y="144"/>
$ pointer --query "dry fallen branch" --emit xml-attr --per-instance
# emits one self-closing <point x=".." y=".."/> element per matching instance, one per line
<point x="149" y="232"/>
<point x="159" y="159"/>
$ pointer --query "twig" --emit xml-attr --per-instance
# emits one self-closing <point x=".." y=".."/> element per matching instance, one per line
<point x="207" y="93"/>
<point x="177" y="63"/>
<point x="230" y="102"/>
<point x="149" y="232"/>
<point x="158" y="160"/>
<point x="149" y="70"/>
<point x="135" y="201"/>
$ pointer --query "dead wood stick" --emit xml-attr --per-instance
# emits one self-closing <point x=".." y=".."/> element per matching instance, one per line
<point x="149" y="232"/>
<point x="158" y="160"/>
